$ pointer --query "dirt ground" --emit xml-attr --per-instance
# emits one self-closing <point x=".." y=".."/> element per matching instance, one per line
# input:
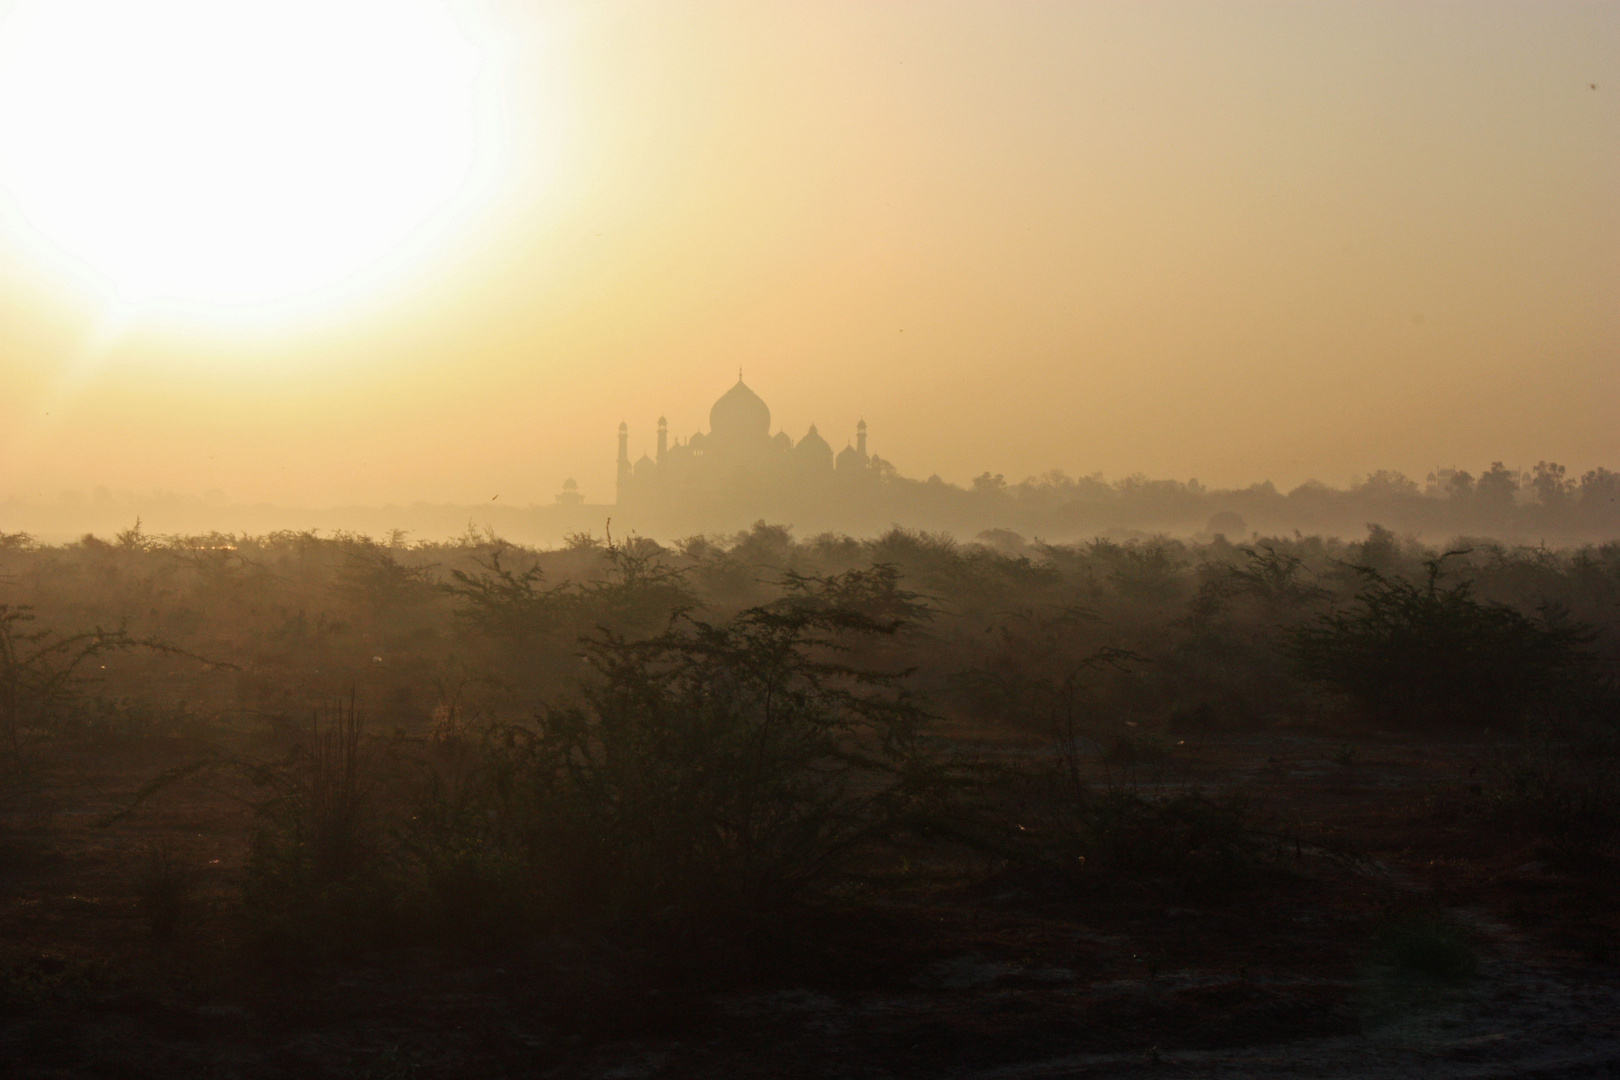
<point x="1000" y="974"/>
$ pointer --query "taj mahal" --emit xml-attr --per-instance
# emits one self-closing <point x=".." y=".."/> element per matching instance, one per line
<point x="739" y="461"/>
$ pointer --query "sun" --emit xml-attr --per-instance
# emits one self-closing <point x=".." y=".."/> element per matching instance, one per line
<point x="234" y="152"/>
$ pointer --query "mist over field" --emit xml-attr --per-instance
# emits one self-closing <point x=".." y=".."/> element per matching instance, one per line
<point x="1541" y="505"/>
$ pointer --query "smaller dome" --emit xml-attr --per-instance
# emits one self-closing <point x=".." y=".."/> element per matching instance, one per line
<point x="813" y="451"/>
<point x="570" y="485"/>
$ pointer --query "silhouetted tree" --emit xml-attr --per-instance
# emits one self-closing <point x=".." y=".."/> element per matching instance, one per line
<point x="1600" y="490"/>
<point x="1496" y="487"/>
<point x="1548" y="482"/>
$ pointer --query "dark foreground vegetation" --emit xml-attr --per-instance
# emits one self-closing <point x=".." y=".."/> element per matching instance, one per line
<point x="302" y="805"/>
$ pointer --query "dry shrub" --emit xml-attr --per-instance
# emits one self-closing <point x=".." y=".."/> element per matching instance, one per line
<point x="165" y="882"/>
<point x="321" y="870"/>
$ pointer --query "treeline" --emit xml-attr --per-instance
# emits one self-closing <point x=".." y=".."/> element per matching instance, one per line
<point x="1536" y="504"/>
<point x="1543" y="504"/>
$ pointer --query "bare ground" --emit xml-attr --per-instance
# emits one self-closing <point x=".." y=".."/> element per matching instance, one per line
<point x="1008" y="975"/>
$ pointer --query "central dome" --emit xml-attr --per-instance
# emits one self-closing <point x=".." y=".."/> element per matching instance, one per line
<point x="740" y="413"/>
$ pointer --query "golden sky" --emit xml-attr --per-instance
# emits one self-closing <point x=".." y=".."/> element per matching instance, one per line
<point x="1231" y="241"/>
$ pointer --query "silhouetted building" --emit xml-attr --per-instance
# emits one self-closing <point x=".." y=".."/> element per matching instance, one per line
<point x="739" y="464"/>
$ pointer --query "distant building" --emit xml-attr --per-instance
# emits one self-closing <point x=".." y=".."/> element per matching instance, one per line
<point x="739" y="463"/>
<point x="570" y="496"/>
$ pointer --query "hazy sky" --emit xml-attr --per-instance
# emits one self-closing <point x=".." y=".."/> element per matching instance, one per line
<point x="1217" y="240"/>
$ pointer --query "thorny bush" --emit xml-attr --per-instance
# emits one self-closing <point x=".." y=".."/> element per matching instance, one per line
<point x="1431" y="653"/>
<point x="41" y="676"/>
<point x="699" y="776"/>
<point x="717" y="767"/>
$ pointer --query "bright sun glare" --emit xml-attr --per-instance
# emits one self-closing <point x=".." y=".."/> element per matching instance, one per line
<point x="234" y="152"/>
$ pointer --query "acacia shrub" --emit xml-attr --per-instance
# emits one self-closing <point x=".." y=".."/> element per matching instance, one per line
<point x="1414" y="653"/>
<point x="43" y="680"/>
<point x="718" y="768"/>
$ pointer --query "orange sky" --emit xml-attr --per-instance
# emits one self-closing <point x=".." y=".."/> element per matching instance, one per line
<point x="1214" y="240"/>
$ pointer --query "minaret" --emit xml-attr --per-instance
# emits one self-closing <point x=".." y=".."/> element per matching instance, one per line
<point x="663" y="438"/>
<point x="624" y="462"/>
<point x="860" y="438"/>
